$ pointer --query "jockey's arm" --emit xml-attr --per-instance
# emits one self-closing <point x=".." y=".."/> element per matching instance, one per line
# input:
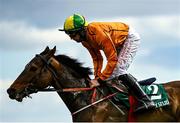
<point x="97" y="59"/>
<point x="110" y="52"/>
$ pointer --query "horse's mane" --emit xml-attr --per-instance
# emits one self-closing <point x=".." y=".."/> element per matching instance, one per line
<point x="80" y="71"/>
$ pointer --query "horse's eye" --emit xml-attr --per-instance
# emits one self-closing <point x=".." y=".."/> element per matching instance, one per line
<point x="33" y="69"/>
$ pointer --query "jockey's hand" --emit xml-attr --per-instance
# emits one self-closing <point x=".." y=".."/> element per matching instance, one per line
<point x="94" y="83"/>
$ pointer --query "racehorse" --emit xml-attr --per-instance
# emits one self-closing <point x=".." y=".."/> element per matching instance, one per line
<point x="70" y="80"/>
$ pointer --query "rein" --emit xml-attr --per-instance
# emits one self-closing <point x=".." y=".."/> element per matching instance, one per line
<point x="65" y="89"/>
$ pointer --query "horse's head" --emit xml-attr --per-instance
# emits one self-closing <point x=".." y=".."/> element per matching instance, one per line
<point x="35" y="76"/>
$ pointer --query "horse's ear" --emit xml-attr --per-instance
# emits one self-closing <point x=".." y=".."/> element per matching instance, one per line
<point x="52" y="52"/>
<point x="54" y="48"/>
<point x="45" y="51"/>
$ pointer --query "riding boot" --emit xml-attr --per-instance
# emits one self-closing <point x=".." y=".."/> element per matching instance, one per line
<point x="144" y="102"/>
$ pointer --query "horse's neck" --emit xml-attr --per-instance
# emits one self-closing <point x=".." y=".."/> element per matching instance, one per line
<point x="67" y="80"/>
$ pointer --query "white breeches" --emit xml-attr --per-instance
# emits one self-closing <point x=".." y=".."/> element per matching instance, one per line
<point x="126" y="53"/>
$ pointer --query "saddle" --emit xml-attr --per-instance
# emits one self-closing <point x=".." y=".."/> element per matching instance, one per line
<point x="156" y="92"/>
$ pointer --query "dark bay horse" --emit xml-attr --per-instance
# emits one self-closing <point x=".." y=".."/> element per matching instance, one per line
<point x="61" y="72"/>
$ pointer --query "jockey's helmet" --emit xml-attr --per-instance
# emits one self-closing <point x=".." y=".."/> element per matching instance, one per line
<point x="74" y="23"/>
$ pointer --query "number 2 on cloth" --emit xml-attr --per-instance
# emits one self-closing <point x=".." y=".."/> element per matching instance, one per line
<point x="154" y="89"/>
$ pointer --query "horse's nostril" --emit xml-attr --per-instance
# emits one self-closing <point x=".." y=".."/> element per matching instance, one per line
<point x="11" y="92"/>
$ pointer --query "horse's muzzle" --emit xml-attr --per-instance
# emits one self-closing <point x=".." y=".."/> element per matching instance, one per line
<point x="12" y="93"/>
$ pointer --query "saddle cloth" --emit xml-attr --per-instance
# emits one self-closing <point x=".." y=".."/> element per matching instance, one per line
<point x="156" y="92"/>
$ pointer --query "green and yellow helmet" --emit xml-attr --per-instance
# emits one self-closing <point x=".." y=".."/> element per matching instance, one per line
<point x="74" y="23"/>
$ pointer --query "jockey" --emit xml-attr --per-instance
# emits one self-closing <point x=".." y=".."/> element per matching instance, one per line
<point x="119" y="42"/>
